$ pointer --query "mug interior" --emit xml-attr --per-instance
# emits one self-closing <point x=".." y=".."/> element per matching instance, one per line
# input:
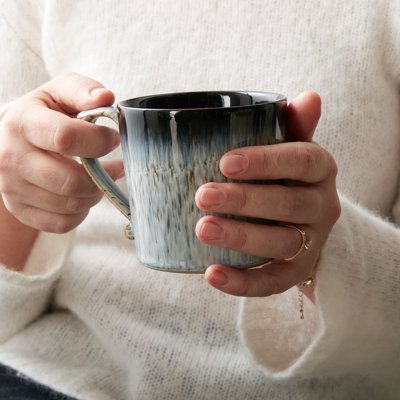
<point x="202" y="100"/>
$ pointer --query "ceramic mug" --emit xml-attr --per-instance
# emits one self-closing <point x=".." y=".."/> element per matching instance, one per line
<point x="171" y="145"/>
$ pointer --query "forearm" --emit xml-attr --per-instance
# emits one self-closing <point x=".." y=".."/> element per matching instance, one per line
<point x="16" y="240"/>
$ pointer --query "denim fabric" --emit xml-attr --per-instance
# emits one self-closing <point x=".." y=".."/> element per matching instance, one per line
<point x="15" y="386"/>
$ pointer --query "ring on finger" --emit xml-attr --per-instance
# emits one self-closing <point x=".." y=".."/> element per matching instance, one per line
<point x="305" y="242"/>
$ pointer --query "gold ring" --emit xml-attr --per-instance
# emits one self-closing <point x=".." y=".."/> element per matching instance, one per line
<point x="305" y="243"/>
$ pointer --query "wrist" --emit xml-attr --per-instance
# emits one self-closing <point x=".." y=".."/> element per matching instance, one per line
<point x="308" y="286"/>
<point x="16" y="240"/>
<point x="309" y="292"/>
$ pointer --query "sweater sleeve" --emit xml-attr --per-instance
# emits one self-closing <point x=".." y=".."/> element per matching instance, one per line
<point x="354" y="325"/>
<point x="24" y="296"/>
<point x="22" y="67"/>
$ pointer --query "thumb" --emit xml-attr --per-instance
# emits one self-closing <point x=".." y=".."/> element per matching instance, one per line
<point x="114" y="168"/>
<point x="74" y="93"/>
<point x="302" y="116"/>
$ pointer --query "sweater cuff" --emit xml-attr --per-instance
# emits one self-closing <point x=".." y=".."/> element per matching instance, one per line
<point x="343" y="330"/>
<point x="44" y="261"/>
<point x="25" y="295"/>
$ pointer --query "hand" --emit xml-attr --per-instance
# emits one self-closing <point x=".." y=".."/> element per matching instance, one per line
<point x="310" y="202"/>
<point x="41" y="185"/>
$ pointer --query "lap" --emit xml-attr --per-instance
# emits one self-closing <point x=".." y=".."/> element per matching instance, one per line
<point x="16" y="386"/>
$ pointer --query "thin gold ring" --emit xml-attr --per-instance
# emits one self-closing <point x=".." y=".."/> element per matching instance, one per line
<point x="305" y="243"/>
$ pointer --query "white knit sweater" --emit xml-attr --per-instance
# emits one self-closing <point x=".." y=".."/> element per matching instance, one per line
<point x="85" y="318"/>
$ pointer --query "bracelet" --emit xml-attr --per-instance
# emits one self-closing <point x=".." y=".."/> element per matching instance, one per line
<point x="305" y="284"/>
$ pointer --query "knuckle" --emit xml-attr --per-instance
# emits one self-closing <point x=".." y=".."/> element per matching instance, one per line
<point x="74" y="205"/>
<point x="69" y="76"/>
<point x="80" y="82"/>
<point x="64" y="224"/>
<point x="48" y="175"/>
<point x="335" y="210"/>
<point x="270" y="159"/>
<point x="7" y="187"/>
<point x="62" y="139"/>
<point x="94" y="200"/>
<point x="240" y="237"/>
<point x="90" y="189"/>
<point x="70" y="185"/>
<point x="6" y="160"/>
<point x="10" y="124"/>
<point x="332" y="166"/>
<point x="104" y="139"/>
<point x="14" y="208"/>
<point x="242" y="199"/>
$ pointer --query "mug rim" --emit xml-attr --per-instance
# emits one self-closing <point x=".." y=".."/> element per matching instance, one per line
<point x="278" y="98"/>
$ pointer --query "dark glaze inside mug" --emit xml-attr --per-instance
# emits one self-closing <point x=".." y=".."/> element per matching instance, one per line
<point x="195" y="100"/>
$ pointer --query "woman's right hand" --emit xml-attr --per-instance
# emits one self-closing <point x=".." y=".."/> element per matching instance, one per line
<point x="41" y="184"/>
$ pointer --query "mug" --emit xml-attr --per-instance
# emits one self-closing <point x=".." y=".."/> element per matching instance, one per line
<point x="171" y="145"/>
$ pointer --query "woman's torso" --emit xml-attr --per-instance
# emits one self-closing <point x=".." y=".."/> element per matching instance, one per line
<point x="137" y="333"/>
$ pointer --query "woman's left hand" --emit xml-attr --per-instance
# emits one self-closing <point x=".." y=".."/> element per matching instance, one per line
<point x="311" y="203"/>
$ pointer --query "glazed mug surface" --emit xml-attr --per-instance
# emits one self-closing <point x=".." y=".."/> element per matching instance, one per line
<point x="171" y="145"/>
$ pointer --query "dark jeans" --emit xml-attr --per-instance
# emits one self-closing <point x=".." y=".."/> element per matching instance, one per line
<point x="15" y="386"/>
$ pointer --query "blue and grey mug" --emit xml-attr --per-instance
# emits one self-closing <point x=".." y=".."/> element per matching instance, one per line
<point x="171" y="145"/>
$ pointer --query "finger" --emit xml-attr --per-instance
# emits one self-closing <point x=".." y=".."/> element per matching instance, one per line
<point x="306" y="162"/>
<point x="270" y="241"/>
<point x="303" y="114"/>
<point x="56" y="132"/>
<point x="44" y="220"/>
<point x="74" y="92"/>
<point x="297" y="204"/>
<point x="34" y="196"/>
<point x="62" y="176"/>
<point x="259" y="282"/>
<point x="114" y="168"/>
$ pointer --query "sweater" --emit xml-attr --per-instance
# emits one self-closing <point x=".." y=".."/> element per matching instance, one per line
<point x="86" y="318"/>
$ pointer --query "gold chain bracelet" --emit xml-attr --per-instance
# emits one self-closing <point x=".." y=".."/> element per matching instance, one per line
<point x="305" y="284"/>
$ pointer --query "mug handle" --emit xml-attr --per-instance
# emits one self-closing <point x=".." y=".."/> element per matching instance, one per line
<point x="97" y="172"/>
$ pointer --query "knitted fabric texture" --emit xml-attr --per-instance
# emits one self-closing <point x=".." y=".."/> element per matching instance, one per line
<point x="87" y="319"/>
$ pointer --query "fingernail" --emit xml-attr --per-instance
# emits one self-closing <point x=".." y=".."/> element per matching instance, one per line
<point x="218" y="278"/>
<point x="211" y="231"/>
<point x="96" y="91"/>
<point x="211" y="197"/>
<point x="234" y="163"/>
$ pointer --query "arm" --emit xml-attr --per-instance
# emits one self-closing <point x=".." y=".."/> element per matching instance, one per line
<point x="22" y="68"/>
<point x="23" y="296"/>
<point x="43" y="189"/>
<point x="355" y="322"/>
